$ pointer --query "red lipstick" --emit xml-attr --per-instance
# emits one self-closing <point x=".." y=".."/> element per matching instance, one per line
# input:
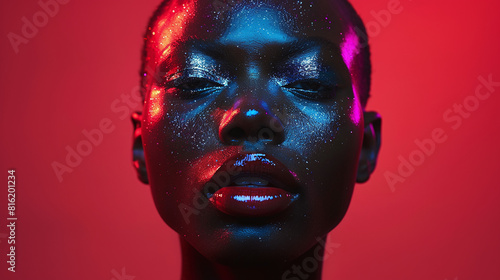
<point x="260" y="186"/>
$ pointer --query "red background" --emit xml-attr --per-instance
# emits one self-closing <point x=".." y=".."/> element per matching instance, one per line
<point x="441" y="223"/>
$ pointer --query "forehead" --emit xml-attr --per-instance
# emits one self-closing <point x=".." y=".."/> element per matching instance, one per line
<point x="250" y="24"/>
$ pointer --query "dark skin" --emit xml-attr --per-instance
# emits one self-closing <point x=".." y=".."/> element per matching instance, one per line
<point x="216" y="79"/>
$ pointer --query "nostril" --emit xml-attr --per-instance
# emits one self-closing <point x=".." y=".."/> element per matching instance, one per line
<point x="250" y="120"/>
<point x="266" y="134"/>
<point x="236" y="133"/>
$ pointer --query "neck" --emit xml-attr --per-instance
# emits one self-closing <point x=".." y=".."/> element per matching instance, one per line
<point x="197" y="267"/>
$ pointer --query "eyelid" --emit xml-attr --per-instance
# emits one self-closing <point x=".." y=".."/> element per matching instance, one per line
<point x="183" y="80"/>
<point x="189" y="84"/>
<point x="195" y="73"/>
<point x="327" y="92"/>
<point x="327" y="86"/>
<point x="290" y="73"/>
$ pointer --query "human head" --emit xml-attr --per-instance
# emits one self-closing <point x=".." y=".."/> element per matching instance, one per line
<point x="214" y="80"/>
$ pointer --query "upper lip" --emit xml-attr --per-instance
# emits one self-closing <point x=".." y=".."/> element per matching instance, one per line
<point x="255" y="165"/>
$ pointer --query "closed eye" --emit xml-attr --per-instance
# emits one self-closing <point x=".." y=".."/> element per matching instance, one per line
<point x="311" y="89"/>
<point x="194" y="84"/>
<point x="309" y="85"/>
<point x="191" y="87"/>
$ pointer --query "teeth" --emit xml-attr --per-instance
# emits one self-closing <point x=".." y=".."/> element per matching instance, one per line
<point x="251" y="181"/>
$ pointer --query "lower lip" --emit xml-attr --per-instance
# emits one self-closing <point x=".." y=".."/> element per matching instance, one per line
<point x="251" y="201"/>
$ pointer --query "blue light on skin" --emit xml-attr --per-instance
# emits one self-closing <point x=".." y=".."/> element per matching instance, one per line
<point x="252" y="25"/>
<point x="251" y="112"/>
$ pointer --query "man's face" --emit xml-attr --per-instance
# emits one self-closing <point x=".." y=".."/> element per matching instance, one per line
<point x="251" y="129"/>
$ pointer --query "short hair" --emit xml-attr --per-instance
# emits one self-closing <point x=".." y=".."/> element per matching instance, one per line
<point x="361" y="68"/>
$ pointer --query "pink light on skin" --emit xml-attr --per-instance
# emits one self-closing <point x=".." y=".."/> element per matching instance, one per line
<point x="349" y="48"/>
<point x="205" y="167"/>
<point x="356" y="111"/>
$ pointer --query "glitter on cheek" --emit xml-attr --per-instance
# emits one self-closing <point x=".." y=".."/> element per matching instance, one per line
<point x="196" y="111"/>
<point x="190" y="125"/>
<point x="318" y="117"/>
<point x="310" y="128"/>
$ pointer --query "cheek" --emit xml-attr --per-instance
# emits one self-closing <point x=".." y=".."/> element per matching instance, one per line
<point x="331" y="131"/>
<point x="180" y="133"/>
<point x="173" y="142"/>
<point x="329" y="142"/>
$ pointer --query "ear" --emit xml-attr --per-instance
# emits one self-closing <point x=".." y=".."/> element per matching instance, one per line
<point x="371" y="146"/>
<point x="138" y="150"/>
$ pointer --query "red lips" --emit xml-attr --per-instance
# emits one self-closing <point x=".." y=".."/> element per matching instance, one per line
<point x="258" y="185"/>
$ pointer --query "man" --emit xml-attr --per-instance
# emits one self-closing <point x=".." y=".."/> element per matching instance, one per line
<point x="254" y="132"/>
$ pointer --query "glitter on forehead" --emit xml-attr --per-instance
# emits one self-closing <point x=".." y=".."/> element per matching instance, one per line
<point x="255" y="25"/>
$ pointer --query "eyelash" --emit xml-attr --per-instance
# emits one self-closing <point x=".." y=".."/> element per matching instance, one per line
<point x="311" y="89"/>
<point x="191" y="87"/>
<point x="195" y="84"/>
<point x="197" y="87"/>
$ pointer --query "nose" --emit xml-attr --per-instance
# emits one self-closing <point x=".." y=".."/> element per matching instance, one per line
<point x="250" y="120"/>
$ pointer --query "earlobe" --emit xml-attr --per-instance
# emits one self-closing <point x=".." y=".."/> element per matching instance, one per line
<point x="371" y="146"/>
<point x="138" y="150"/>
